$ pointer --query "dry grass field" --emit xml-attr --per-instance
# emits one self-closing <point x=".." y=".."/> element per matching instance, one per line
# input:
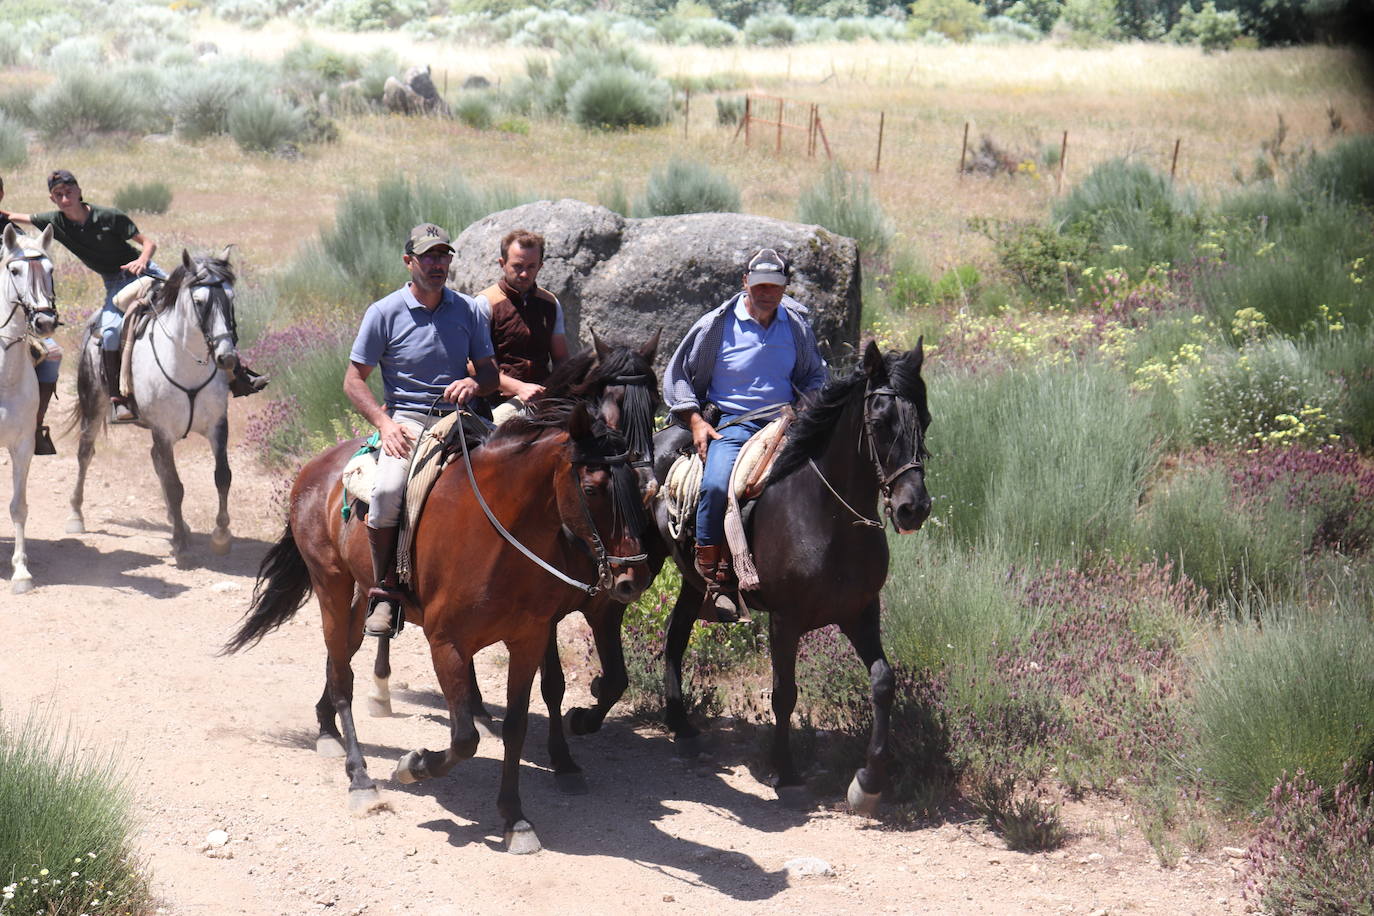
<point x="1129" y="100"/>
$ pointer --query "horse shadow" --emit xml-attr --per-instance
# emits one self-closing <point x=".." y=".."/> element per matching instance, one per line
<point x="71" y="561"/>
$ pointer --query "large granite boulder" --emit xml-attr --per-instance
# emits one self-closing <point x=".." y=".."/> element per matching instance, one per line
<point x="625" y="277"/>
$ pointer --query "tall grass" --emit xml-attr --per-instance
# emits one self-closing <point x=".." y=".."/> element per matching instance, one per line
<point x="686" y="186"/>
<point x="149" y="197"/>
<point x="66" y="829"/>
<point x="844" y="203"/>
<point x="1131" y="214"/>
<point x="1290" y="691"/>
<point x="14" y="145"/>
<point x="263" y="123"/>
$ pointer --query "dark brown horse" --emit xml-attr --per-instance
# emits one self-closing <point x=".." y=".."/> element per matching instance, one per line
<point x="563" y="489"/>
<point x="821" y="555"/>
<point x="618" y="382"/>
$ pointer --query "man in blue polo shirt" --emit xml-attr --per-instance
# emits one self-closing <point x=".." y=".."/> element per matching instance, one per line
<point x="422" y="336"/>
<point x="749" y="356"/>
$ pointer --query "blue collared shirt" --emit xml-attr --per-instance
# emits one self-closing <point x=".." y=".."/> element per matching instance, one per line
<point x="421" y="352"/>
<point x="754" y="367"/>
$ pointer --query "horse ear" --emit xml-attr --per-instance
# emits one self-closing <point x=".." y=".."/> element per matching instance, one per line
<point x="917" y="356"/>
<point x="186" y="261"/>
<point x="579" y="422"/>
<point x="602" y="351"/>
<point x="45" y="240"/>
<point x="225" y="255"/>
<point x="874" y="367"/>
<point x="650" y="347"/>
<point x="11" y="236"/>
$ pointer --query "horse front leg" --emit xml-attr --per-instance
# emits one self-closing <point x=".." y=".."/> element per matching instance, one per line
<point x="782" y="645"/>
<point x="21" y="456"/>
<point x="173" y="492"/>
<point x="606" y="618"/>
<point x="219" y="444"/>
<point x="865" y="791"/>
<point x="680" y="623"/>
<point x="524" y="661"/>
<point x="450" y="665"/>
<point x="379" y="697"/>
<point x="566" y="773"/>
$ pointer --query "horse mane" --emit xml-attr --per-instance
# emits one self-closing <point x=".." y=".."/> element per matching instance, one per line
<point x="581" y="375"/>
<point x="808" y="436"/>
<point x="206" y="267"/>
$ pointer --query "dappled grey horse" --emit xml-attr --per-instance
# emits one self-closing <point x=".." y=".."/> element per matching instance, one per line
<point x="180" y="382"/>
<point x="26" y="305"/>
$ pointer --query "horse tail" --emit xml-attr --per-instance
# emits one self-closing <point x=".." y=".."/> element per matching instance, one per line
<point x="92" y="405"/>
<point x="283" y="586"/>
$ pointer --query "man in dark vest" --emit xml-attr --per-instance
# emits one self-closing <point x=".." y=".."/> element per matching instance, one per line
<point x="526" y="320"/>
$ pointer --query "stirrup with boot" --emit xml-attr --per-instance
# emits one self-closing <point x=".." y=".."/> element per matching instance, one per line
<point x="384" y="600"/>
<point x="245" y="381"/>
<point x="121" y="407"/>
<point x="721" y="603"/>
<point x="42" y="436"/>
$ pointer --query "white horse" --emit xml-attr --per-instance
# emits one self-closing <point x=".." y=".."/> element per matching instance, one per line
<point x="26" y="302"/>
<point x="179" y="368"/>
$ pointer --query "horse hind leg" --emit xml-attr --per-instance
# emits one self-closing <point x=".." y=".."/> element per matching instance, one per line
<point x="865" y="791"/>
<point x="783" y="641"/>
<point x="173" y="492"/>
<point x="566" y="773"/>
<point x="90" y="401"/>
<point x="219" y="444"/>
<point x="451" y="669"/>
<point x="20" y="580"/>
<point x="379" y="697"/>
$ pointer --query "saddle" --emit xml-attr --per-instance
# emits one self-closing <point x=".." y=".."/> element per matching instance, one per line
<point x="135" y="303"/>
<point x="681" y="492"/>
<point x="432" y="452"/>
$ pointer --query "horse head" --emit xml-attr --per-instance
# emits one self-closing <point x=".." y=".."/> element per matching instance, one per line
<point x="895" y="420"/>
<point x="623" y="382"/>
<point x="208" y="284"/>
<point x="604" y="515"/>
<point x="28" y="279"/>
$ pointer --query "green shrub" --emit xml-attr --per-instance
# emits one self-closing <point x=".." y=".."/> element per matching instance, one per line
<point x="616" y="98"/>
<point x="729" y="110"/>
<point x="14" y="146"/>
<point x="1042" y="14"/>
<point x="261" y="123"/>
<point x="770" y="30"/>
<point x="1212" y="29"/>
<point x="18" y="104"/>
<point x="1349" y="356"/>
<point x="1345" y="172"/>
<point x="1038" y="258"/>
<point x="1094" y="20"/>
<point x="475" y="109"/>
<point x="958" y="284"/>
<point x="555" y="85"/>
<point x="844" y="204"/>
<point x="152" y="197"/>
<point x="1291" y="692"/>
<point x="373" y="15"/>
<point x="955" y="19"/>
<point x="85" y="102"/>
<point x="1131" y="214"/>
<point x="710" y="33"/>
<point x="686" y="186"/>
<point x="66" y="827"/>
<point x="76" y="52"/>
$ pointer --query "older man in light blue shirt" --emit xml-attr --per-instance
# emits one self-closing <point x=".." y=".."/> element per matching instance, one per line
<point x="750" y="356"/>
<point x="422" y="336"/>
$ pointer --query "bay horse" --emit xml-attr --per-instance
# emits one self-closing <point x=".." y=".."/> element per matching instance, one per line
<point x="821" y="559"/>
<point x="180" y="384"/>
<point x="563" y="488"/>
<point x="28" y="306"/>
<point x="618" y="382"/>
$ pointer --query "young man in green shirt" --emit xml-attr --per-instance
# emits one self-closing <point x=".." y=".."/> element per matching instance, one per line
<point x="107" y="241"/>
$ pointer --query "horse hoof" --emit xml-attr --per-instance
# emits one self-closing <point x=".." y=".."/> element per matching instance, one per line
<point x="76" y="526"/>
<point x="520" y="839"/>
<point x="329" y="746"/>
<point x="571" y="783"/>
<point x="365" y="801"/>
<point x="219" y="544"/>
<point x="19" y="586"/>
<point x="378" y="709"/>
<point x="794" y="798"/>
<point x="405" y="769"/>
<point x="180" y="559"/>
<point x="575" y="722"/>
<point x="864" y="804"/>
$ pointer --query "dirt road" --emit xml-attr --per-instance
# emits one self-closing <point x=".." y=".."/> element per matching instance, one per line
<point x="122" y="644"/>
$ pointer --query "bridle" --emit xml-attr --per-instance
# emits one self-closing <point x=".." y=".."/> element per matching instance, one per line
<point x="219" y="298"/>
<point x="591" y="543"/>
<point x="36" y="300"/>
<point x="641" y="436"/>
<point x="884" y="477"/>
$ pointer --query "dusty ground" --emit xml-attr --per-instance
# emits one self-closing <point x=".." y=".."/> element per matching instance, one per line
<point x="122" y="643"/>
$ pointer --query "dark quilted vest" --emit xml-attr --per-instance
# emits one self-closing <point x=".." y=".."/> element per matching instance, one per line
<point x="522" y="334"/>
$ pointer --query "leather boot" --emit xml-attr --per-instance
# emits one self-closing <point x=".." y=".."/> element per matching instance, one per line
<point x="384" y="598"/>
<point x="123" y="407"/>
<point x="42" y="440"/>
<point x="244" y="381"/>
<point x="720" y="604"/>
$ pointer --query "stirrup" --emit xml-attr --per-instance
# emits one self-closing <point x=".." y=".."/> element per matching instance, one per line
<point x="122" y="411"/>
<point x="42" y="442"/>
<point x="720" y="605"/>
<point x="394" y="602"/>
<point x="245" y="382"/>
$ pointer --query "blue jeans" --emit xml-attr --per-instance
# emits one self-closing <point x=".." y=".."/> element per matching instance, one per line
<point x="111" y="318"/>
<point x="715" y="479"/>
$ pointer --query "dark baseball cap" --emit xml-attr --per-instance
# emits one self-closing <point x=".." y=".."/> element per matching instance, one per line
<point x="426" y="236"/>
<point x="61" y="176"/>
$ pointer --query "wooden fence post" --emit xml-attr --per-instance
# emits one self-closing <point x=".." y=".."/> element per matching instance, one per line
<point x="686" y="110"/>
<point x="1063" y="154"/>
<point x="1173" y="166"/>
<point x="878" y="163"/>
<point x="963" y="153"/>
<point x="778" y="150"/>
<point x="748" y="109"/>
